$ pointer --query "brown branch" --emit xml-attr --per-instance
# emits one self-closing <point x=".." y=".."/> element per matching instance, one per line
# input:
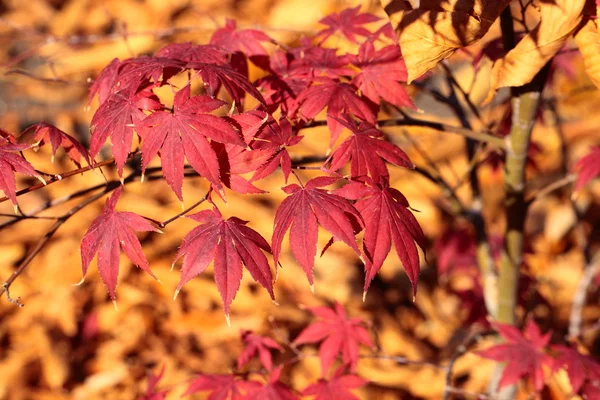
<point x="60" y="177"/>
<point x="184" y="212"/>
<point x="44" y="240"/>
<point x="482" y="136"/>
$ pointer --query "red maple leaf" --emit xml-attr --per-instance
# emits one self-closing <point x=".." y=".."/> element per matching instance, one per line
<point x="523" y="353"/>
<point x="115" y="118"/>
<point x="257" y="345"/>
<point x="134" y="71"/>
<point x="380" y="72"/>
<point x="339" y="98"/>
<point x="349" y="22"/>
<point x="273" y="390"/>
<point x="43" y="133"/>
<point x="104" y="84"/>
<point x="388" y="220"/>
<point x="194" y="53"/>
<point x="246" y="41"/>
<point x="367" y="151"/>
<point x="338" y="334"/>
<point x="230" y="243"/>
<point x="588" y="167"/>
<point x="283" y="84"/>
<point x="235" y="160"/>
<point x="338" y="387"/>
<point x="110" y="231"/>
<point x="313" y="61"/>
<point x="185" y="132"/>
<point x="216" y="76"/>
<point x="11" y="162"/>
<point x="151" y="392"/>
<point x="302" y="210"/>
<point x="580" y="368"/>
<point x="275" y="138"/>
<point x="222" y="387"/>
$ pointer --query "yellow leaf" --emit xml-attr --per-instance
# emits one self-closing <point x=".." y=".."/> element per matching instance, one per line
<point x="588" y="41"/>
<point x="437" y="28"/>
<point x="558" y="20"/>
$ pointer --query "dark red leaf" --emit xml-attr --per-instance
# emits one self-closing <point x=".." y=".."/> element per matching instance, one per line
<point x="236" y="84"/>
<point x="338" y="335"/>
<point x="257" y="345"/>
<point x="367" y="151"/>
<point x="230" y="243"/>
<point x="339" y="98"/>
<point x="133" y="71"/>
<point x="115" y="118"/>
<point x="387" y="220"/>
<point x="185" y="132"/>
<point x="104" y="84"/>
<point x="43" y="133"/>
<point x="110" y="232"/>
<point x="523" y="353"/>
<point x="300" y="213"/>
<point x="580" y="368"/>
<point x="10" y="163"/>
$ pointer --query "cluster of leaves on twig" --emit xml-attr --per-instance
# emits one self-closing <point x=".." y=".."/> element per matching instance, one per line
<point x="527" y="354"/>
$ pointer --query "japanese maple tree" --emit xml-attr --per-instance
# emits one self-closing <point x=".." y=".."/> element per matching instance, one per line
<point x="235" y="112"/>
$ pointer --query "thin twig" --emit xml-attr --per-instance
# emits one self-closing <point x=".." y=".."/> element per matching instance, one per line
<point x="44" y="240"/>
<point x="482" y="136"/>
<point x="184" y="212"/>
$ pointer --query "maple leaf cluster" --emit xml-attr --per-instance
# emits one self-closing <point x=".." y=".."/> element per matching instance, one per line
<point x="235" y="132"/>
<point x="529" y="354"/>
<point x="339" y="336"/>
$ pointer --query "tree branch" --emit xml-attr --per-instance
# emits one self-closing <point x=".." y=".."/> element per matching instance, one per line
<point x="483" y="137"/>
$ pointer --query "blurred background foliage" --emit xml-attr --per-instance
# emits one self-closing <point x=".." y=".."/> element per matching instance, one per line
<point x="68" y="342"/>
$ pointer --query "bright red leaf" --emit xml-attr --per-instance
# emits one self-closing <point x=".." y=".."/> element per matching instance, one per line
<point x="588" y="167"/>
<point x="367" y="151"/>
<point x="338" y="334"/>
<point x="10" y="163"/>
<point x="194" y="53"/>
<point x="380" y="74"/>
<point x="43" y="133"/>
<point x="523" y="353"/>
<point x="349" y="22"/>
<point x="388" y="220"/>
<point x="257" y="345"/>
<point x="230" y="243"/>
<point x="115" y="118"/>
<point x="338" y="387"/>
<point x="185" y="132"/>
<point x="300" y="213"/>
<point x="580" y="368"/>
<point x="110" y="231"/>
<point x="339" y="98"/>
